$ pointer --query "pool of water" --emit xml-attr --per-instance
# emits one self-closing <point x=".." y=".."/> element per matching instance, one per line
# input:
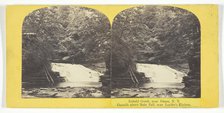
<point x="79" y="84"/>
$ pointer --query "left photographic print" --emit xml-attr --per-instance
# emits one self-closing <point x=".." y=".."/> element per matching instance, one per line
<point x="63" y="50"/>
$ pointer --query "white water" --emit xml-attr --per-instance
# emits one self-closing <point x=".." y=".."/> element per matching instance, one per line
<point x="77" y="75"/>
<point x="161" y="73"/>
<point x="80" y="76"/>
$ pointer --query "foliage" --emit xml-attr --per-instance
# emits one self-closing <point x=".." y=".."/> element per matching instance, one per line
<point x="82" y="32"/>
<point x="157" y="34"/>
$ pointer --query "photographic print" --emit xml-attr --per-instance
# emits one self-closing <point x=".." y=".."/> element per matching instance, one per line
<point x="63" y="52"/>
<point x="156" y="51"/>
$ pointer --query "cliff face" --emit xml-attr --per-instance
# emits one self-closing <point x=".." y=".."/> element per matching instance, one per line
<point x="193" y="80"/>
<point x="121" y="66"/>
<point x="36" y="67"/>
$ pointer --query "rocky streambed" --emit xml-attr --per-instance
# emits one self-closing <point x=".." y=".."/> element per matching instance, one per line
<point x="74" y="92"/>
<point x="62" y="92"/>
<point x="147" y="93"/>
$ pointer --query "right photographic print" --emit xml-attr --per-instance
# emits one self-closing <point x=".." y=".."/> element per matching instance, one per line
<point x="155" y="53"/>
